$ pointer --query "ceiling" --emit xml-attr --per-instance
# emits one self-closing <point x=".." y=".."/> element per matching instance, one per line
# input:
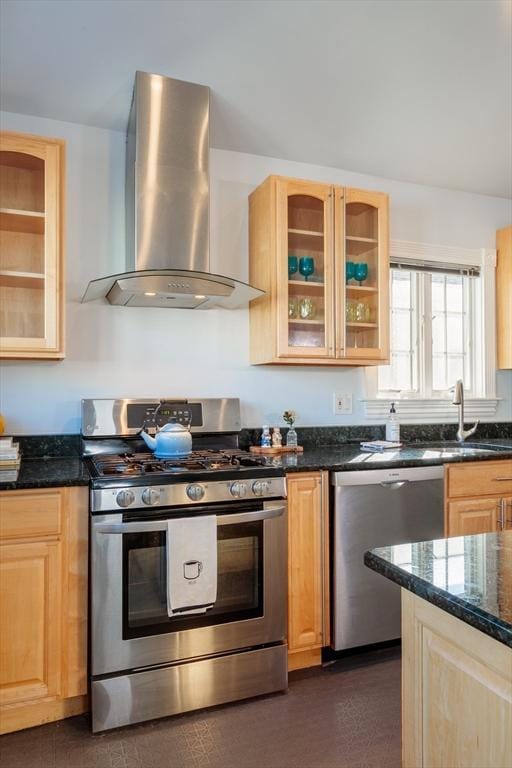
<point x="415" y="90"/>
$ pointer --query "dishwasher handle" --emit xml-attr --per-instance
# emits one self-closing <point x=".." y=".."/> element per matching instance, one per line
<point x="393" y="485"/>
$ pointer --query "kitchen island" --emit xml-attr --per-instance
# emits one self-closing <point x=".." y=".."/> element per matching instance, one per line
<point x="456" y="649"/>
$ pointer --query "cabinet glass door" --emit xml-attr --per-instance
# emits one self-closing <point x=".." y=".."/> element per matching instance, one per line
<point x="364" y="310"/>
<point x="29" y="246"/>
<point x="305" y="311"/>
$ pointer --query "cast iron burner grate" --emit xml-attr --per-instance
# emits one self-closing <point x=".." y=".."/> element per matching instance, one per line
<point x="137" y="464"/>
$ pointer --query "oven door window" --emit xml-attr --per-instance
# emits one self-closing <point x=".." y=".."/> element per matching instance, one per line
<point x="239" y="581"/>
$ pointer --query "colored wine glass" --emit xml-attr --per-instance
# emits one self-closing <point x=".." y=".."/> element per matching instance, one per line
<point x="306" y="266"/>
<point x="293" y="265"/>
<point x="361" y="272"/>
<point x="350" y="270"/>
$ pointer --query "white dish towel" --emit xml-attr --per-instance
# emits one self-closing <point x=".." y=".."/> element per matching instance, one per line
<point x="191" y="564"/>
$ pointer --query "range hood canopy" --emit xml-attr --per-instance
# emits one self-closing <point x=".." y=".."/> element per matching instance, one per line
<point x="167" y="204"/>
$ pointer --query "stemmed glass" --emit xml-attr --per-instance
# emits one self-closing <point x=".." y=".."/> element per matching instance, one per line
<point x="293" y="266"/>
<point x="350" y="270"/>
<point x="306" y="266"/>
<point x="361" y="272"/>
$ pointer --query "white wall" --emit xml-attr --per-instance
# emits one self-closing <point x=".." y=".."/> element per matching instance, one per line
<point x="130" y="352"/>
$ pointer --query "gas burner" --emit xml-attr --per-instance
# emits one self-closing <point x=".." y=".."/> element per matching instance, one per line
<point x="143" y="464"/>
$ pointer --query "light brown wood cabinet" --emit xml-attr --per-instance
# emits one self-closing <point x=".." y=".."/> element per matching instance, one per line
<point x="456" y="691"/>
<point x="477" y="497"/>
<point x="507" y="515"/>
<point x="308" y="568"/>
<point x="308" y="245"/>
<point x="43" y="606"/>
<point x="31" y="246"/>
<point x="504" y="297"/>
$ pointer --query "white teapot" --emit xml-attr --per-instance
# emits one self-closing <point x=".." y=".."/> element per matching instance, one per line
<point x="172" y="441"/>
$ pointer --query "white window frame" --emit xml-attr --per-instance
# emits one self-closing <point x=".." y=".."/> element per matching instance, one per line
<point x="482" y="401"/>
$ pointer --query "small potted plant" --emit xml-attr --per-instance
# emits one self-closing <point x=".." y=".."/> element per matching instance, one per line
<point x="291" y="436"/>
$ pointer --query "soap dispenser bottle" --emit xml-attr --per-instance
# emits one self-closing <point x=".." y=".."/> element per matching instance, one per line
<point x="393" y="426"/>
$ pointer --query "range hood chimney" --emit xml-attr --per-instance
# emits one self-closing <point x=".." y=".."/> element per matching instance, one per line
<point x="167" y="204"/>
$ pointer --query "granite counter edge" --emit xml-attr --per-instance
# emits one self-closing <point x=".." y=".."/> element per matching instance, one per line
<point x="475" y="617"/>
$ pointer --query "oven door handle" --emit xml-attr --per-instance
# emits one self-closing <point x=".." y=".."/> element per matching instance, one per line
<point x="269" y="511"/>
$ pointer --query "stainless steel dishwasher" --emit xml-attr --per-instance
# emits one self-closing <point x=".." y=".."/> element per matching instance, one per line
<point x="376" y="508"/>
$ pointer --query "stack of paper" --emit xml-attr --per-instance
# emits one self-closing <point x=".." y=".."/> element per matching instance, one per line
<point x="9" y="454"/>
<point x="380" y="445"/>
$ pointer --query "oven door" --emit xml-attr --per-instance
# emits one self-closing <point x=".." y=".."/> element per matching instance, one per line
<point x="130" y="626"/>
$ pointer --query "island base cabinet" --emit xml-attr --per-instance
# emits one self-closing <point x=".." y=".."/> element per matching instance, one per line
<point x="43" y="606"/>
<point x="456" y="692"/>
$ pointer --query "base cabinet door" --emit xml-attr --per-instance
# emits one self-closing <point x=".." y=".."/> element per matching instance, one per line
<point x="471" y="516"/>
<point x="507" y="513"/>
<point x="30" y="636"/>
<point x="306" y="564"/>
<point x="43" y="605"/>
<point x="456" y="692"/>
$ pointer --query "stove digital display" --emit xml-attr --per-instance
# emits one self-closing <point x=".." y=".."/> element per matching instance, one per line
<point x="188" y="414"/>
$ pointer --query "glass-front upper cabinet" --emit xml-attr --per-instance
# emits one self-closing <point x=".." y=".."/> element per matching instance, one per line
<point x="31" y="224"/>
<point x="304" y="269"/>
<point x="363" y="275"/>
<point x="320" y="253"/>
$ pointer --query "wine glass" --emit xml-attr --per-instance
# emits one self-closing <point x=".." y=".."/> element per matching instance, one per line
<point x="293" y="266"/>
<point x="350" y="269"/>
<point x="306" y="266"/>
<point x="361" y="272"/>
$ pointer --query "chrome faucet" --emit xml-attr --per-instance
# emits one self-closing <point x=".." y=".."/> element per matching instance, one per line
<point x="458" y="399"/>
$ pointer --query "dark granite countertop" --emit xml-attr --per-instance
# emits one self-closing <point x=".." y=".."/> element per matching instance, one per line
<point x="467" y="576"/>
<point x="345" y="457"/>
<point x="46" y="472"/>
<point x="65" y="470"/>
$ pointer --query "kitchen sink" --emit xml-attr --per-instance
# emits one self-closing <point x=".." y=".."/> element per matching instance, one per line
<point x="449" y="448"/>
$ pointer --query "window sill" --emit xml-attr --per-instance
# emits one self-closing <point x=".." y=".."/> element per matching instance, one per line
<point x="430" y="411"/>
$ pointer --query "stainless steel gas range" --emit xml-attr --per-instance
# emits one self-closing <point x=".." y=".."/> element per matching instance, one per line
<point x="179" y="620"/>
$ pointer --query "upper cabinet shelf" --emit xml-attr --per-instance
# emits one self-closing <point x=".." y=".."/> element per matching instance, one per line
<point x="320" y="253"/>
<point x="31" y="246"/>
<point x="305" y="232"/>
<point x="12" y="220"/>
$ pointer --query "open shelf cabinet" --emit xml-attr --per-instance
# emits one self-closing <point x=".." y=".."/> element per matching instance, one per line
<point x="31" y="245"/>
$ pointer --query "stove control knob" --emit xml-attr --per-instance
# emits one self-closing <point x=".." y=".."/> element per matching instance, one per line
<point x="238" y="489"/>
<point x="125" y="498"/>
<point x="195" y="492"/>
<point x="150" y="496"/>
<point x="261" y="487"/>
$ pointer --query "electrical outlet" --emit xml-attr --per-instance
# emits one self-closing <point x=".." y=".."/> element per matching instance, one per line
<point x="342" y="404"/>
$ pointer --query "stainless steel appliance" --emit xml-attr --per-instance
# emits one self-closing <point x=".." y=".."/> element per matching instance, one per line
<point x="167" y="204"/>
<point x="144" y="663"/>
<point x="376" y="508"/>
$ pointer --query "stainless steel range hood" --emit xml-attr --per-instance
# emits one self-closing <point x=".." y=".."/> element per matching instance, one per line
<point x="167" y="204"/>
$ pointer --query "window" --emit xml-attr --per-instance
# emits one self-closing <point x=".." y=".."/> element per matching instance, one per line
<point x="432" y="334"/>
<point x="442" y="327"/>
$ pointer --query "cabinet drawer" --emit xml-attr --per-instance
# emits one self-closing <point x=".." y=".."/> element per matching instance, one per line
<point x="25" y="514"/>
<point x="479" y="479"/>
